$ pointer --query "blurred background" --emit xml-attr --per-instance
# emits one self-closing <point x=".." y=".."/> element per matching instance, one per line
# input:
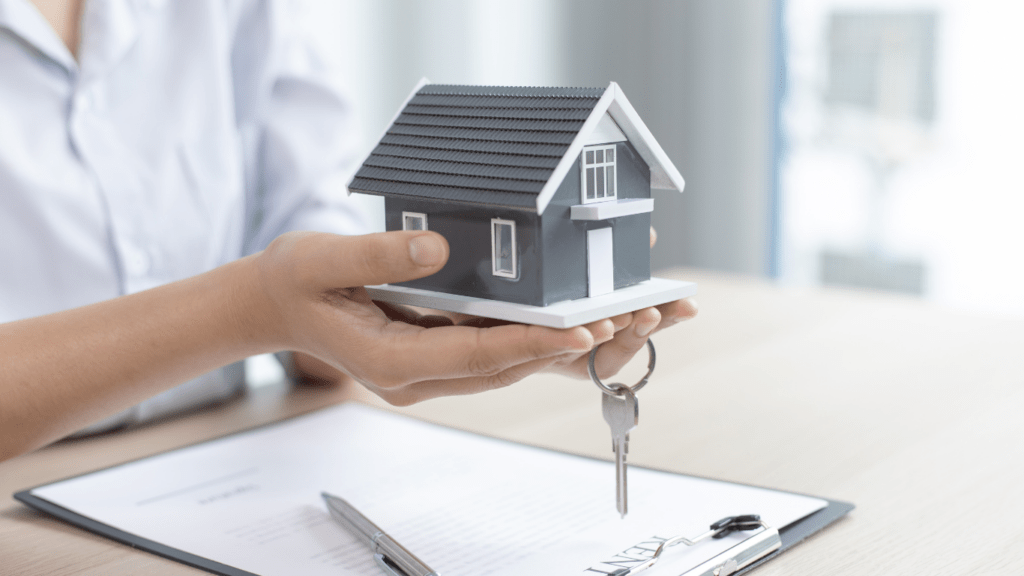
<point x="859" y="143"/>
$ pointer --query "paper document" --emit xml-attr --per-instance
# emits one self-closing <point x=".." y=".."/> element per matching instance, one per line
<point x="463" y="503"/>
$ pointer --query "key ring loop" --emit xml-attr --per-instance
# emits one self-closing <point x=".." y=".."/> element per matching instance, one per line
<point x="615" y="391"/>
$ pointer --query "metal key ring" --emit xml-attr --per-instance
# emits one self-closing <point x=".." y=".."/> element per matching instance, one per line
<point x="613" y="391"/>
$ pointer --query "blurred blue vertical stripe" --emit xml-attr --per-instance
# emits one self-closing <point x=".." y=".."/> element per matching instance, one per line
<point x="778" y="144"/>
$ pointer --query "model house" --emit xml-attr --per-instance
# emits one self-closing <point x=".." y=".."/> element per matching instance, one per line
<point x="544" y="194"/>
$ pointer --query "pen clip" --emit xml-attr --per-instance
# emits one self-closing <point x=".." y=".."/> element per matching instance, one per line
<point x="387" y="566"/>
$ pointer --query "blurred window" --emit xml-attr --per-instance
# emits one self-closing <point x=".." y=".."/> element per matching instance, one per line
<point x="883" y="62"/>
<point x="902" y="126"/>
<point x="414" y="221"/>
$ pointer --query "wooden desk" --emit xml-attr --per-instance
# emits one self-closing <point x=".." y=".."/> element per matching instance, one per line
<point x="913" y="413"/>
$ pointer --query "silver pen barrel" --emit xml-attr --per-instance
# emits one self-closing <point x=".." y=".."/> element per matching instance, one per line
<point x="357" y="524"/>
<point x="401" y="557"/>
<point x="375" y="538"/>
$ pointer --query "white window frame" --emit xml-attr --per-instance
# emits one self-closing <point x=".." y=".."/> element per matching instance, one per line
<point x="609" y="183"/>
<point x="495" y="222"/>
<point x="420" y="215"/>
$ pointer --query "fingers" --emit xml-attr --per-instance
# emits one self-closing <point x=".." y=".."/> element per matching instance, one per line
<point x="329" y="261"/>
<point x="615" y="353"/>
<point x="675" y="312"/>
<point x="397" y="313"/>
<point x="654" y="236"/>
<point x="398" y="358"/>
<point x="461" y="386"/>
<point x="402" y="355"/>
<point x="617" y="322"/>
<point x="388" y="355"/>
<point x="604" y="331"/>
<point x="434" y="321"/>
<point x="390" y="348"/>
<point x="631" y="334"/>
<point x="480" y="322"/>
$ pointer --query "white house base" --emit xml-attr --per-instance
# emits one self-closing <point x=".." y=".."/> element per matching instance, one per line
<point x="561" y="315"/>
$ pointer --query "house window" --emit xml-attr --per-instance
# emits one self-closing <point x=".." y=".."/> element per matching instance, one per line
<point x="598" y="173"/>
<point x="414" y="221"/>
<point x="503" y="248"/>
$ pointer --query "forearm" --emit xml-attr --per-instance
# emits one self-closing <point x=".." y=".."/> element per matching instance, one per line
<point x="65" y="370"/>
<point x="303" y="293"/>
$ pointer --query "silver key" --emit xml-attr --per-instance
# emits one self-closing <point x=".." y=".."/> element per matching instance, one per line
<point x="622" y="413"/>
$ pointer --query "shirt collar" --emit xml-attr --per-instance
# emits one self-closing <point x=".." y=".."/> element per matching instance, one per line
<point x="109" y="29"/>
<point x="23" y="19"/>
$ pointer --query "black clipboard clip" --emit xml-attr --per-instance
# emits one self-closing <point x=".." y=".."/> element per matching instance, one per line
<point x="761" y="544"/>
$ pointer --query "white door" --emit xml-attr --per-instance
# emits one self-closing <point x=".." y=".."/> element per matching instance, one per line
<point x="600" y="268"/>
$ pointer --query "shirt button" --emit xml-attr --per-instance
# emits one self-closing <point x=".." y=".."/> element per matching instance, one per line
<point x="136" y="261"/>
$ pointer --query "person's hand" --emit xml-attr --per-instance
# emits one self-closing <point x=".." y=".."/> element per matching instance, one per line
<point x="624" y="336"/>
<point x="621" y="337"/>
<point x="313" y="285"/>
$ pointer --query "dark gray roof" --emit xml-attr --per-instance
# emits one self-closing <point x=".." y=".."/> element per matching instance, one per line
<point x="490" y="145"/>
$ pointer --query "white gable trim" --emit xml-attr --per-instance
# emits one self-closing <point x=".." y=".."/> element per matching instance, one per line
<point x="606" y="132"/>
<point x="664" y="174"/>
<point x="567" y="161"/>
<point x="423" y="82"/>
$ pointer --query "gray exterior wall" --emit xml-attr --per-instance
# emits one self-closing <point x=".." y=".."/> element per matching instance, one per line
<point x="551" y="249"/>
<point x="468" y="231"/>
<point x="564" y="241"/>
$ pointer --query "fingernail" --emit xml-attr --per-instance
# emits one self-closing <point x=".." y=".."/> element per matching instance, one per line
<point x="693" y="304"/>
<point x="642" y="330"/>
<point x="688" y="311"/>
<point x="426" y="250"/>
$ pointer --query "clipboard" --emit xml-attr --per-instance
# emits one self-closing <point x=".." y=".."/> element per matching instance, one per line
<point x="724" y="563"/>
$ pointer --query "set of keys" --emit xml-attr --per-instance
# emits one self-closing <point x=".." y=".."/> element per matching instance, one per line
<point x="622" y="413"/>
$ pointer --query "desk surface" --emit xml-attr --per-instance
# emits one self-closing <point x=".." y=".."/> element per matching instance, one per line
<point x="912" y="412"/>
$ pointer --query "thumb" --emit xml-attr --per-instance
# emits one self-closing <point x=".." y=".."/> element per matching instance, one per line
<point x="383" y="258"/>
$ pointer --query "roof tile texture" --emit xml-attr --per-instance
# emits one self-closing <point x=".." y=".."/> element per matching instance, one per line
<point x="488" y="145"/>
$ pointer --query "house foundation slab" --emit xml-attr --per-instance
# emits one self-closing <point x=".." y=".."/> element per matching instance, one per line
<point x="560" y="315"/>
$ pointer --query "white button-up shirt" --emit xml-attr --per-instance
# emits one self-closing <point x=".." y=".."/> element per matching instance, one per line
<point x="187" y="134"/>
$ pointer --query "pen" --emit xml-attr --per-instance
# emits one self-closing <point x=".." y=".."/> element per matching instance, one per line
<point x="389" y="555"/>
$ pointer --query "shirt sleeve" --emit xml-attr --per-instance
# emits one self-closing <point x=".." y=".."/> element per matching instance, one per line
<point x="299" y="131"/>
